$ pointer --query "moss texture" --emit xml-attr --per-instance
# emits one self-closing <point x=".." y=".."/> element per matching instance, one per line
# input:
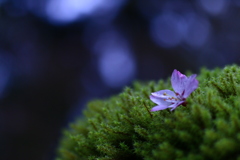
<point x="122" y="127"/>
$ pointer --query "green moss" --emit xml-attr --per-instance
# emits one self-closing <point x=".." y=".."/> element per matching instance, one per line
<point x="122" y="127"/>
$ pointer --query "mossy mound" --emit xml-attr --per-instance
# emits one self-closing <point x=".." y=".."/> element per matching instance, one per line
<point x="122" y="127"/>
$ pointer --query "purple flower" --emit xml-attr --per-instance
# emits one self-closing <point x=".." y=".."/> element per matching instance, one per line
<point x="183" y="86"/>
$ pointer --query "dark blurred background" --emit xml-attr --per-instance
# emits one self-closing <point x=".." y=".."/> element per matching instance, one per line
<point x="56" y="55"/>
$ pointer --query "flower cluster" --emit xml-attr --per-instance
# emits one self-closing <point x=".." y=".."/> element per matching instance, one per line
<point x="183" y="86"/>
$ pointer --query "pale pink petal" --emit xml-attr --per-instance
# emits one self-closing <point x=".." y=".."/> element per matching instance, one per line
<point x="178" y="81"/>
<point x="165" y="97"/>
<point x="159" y="107"/>
<point x="190" y="86"/>
<point x="164" y="93"/>
<point x="159" y="101"/>
<point x="174" y="106"/>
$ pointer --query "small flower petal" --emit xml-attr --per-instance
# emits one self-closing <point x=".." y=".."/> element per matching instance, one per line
<point x="164" y="93"/>
<point x="178" y="81"/>
<point x="159" y="101"/>
<point x="190" y="86"/>
<point x="159" y="107"/>
<point x="175" y="105"/>
<point x="163" y="97"/>
<point x="183" y="87"/>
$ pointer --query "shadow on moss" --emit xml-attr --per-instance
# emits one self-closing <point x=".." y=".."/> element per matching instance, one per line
<point x="122" y="127"/>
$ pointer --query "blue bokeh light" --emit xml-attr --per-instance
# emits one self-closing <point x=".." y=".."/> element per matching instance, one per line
<point x="198" y="30"/>
<point x="62" y="11"/>
<point x="116" y="63"/>
<point x="214" y="7"/>
<point x="5" y="74"/>
<point x="167" y="30"/>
